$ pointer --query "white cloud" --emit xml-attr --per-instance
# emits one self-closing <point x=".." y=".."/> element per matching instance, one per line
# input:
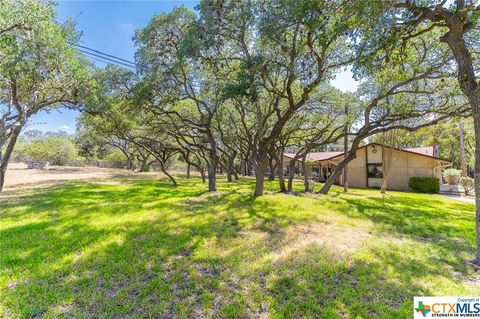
<point x="64" y="127"/>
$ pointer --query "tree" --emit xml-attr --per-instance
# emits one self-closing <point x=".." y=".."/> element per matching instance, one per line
<point x="160" y="146"/>
<point x="110" y="128"/>
<point x="457" y="28"/>
<point x="282" y="51"/>
<point x="445" y="135"/>
<point x="403" y="88"/>
<point x="345" y="151"/>
<point x="54" y="149"/>
<point x="228" y="146"/>
<point x="183" y="78"/>
<point x="461" y="140"/>
<point x="38" y="68"/>
<point x="389" y="153"/>
<point x="468" y="184"/>
<point x="320" y="123"/>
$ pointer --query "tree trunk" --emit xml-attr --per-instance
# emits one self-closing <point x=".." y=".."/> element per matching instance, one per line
<point x="196" y="165"/>
<point x="387" y="157"/>
<point x="345" y="152"/>
<point x="229" y="172"/>
<point x="468" y="84"/>
<point x="305" y="174"/>
<point x="3" y="171"/>
<point x="129" y="164"/>
<point x="212" y="178"/>
<point x="143" y="165"/>
<point x="476" y="121"/>
<point x="260" y="171"/>
<point x="212" y="169"/>
<point x="352" y="154"/>
<point x="230" y="169"/>
<point x="291" y="175"/>
<point x="463" y="164"/>
<point x="8" y="153"/>
<point x="281" y="174"/>
<point x="170" y="177"/>
<point x="248" y="167"/>
<point x="271" y="167"/>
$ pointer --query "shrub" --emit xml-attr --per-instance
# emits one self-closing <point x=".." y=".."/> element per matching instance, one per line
<point x="452" y="176"/>
<point x="424" y="184"/>
<point x="55" y="149"/>
<point x="451" y="172"/>
<point x="115" y="159"/>
<point x="468" y="184"/>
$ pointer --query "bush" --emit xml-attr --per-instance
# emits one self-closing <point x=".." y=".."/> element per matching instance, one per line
<point x="452" y="176"/>
<point x="424" y="184"/>
<point x="451" y="172"/>
<point x="55" y="149"/>
<point x="468" y="184"/>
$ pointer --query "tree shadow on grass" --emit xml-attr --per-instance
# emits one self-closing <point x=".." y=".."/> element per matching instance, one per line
<point x="87" y="196"/>
<point x="432" y="219"/>
<point x="152" y="272"/>
<point x="146" y="249"/>
<point x="315" y="283"/>
<point x="447" y="227"/>
<point x="61" y="255"/>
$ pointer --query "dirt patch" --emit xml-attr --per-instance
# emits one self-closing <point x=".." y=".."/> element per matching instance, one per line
<point x="338" y="240"/>
<point x="18" y="176"/>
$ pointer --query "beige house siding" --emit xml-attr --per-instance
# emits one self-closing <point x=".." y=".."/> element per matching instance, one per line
<point x="405" y="164"/>
<point x="357" y="171"/>
<point x="374" y="156"/>
<point x="399" y="175"/>
<point x="374" y="153"/>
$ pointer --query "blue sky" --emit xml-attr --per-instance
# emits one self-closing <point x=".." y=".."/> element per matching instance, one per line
<point x="108" y="26"/>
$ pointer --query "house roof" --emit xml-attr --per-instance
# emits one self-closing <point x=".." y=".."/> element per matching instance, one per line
<point x="317" y="156"/>
<point x="422" y="151"/>
<point x="429" y="150"/>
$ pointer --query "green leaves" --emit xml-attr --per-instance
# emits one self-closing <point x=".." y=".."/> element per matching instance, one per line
<point x="35" y="52"/>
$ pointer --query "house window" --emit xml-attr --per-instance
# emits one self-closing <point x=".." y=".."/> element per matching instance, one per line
<point x="375" y="170"/>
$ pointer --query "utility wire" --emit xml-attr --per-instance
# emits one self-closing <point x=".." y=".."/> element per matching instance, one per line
<point x="102" y="53"/>
<point x="98" y="60"/>
<point x="105" y="58"/>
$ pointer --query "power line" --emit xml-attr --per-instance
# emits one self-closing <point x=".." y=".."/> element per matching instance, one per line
<point x="109" y="57"/>
<point x="105" y="58"/>
<point x="102" y="53"/>
<point x="99" y="60"/>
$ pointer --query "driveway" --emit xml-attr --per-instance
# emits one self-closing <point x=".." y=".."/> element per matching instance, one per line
<point x="460" y="198"/>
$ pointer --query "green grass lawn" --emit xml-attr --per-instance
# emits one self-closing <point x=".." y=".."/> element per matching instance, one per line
<point x="143" y="249"/>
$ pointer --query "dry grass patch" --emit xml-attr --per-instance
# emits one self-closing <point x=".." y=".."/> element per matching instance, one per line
<point x="142" y="248"/>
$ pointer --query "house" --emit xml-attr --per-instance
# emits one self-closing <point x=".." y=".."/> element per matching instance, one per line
<point x="366" y="170"/>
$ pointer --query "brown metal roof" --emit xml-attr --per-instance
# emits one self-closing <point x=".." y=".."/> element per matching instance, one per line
<point x="422" y="151"/>
<point x="317" y="156"/>
<point x="429" y="150"/>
